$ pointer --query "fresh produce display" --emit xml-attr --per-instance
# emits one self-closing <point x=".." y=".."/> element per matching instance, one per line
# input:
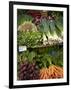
<point x="29" y="38"/>
<point x="27" y="26"/>
<point x="49" y="61"/>
<point x="24" y="18"/>
<point x="28" y="71"/>
<point x="41" y="33"/>
<point x="51" y="72"/>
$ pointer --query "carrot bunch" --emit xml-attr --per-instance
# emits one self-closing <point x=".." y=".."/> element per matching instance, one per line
<point x="51" y="72"/>
<point x="44" y="73"/>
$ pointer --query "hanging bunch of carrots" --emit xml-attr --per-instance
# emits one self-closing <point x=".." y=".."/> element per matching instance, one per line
<point x="51" y="72"/>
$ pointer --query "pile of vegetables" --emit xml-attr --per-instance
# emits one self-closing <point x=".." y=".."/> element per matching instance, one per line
<point x="40" y="64"/>
<point x="29" y="39"/>
<point x="27" y="26"/>
<point x="28" y="71"/>
<point x="49" y="24"/>
<point x="38" y="30"/>
<point x="51" y="72"/>
<point x="23" y="18"/>
<point x="27" y="68"/>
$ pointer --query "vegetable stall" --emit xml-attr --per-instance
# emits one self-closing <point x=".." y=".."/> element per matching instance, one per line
<point x="42" y="34"/>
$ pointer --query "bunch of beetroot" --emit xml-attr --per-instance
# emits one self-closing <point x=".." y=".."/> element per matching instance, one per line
<point x="28" y="71"/>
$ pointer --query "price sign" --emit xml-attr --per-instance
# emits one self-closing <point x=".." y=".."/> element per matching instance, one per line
<point x="22" y="48"/>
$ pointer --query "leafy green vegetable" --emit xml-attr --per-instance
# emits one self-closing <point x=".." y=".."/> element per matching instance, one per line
<point x="52" y="27"/>
<point x="28" y="38"/>
<point x="22" y="18"/>
<point x="27" y="26"/>
<point x="59" y="28"/>
<point x="43" y="58"/>
<point x="31" y="56"/>
<point x="26" y="55"/>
